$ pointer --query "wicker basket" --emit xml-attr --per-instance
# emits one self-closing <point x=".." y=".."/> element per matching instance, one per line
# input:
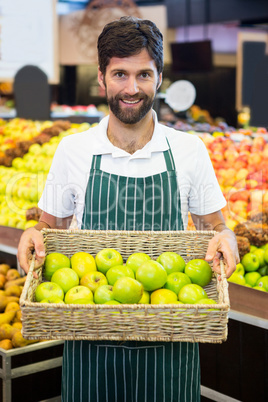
<point x="139" y="322"/>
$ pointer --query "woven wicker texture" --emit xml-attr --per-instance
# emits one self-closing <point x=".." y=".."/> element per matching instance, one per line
<point x="187" y="323"/>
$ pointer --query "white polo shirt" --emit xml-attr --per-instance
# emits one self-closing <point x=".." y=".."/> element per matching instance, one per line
<point x="64" y="192"/>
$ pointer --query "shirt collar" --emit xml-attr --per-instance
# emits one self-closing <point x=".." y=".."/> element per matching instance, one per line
<point x="102" y="146"/>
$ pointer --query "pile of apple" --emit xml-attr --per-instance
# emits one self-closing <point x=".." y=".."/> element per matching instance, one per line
<point x="22" y="184"/>
<point x="242" y="172"/>
<point x="106" y="279"/>
<point x="11" y="285"/>
<point x="252" y="271"/>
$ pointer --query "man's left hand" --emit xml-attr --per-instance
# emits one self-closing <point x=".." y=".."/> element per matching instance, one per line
<point x="223" y="245"/>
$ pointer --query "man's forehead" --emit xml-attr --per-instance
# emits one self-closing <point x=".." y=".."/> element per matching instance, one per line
<point x="141" y="58"/>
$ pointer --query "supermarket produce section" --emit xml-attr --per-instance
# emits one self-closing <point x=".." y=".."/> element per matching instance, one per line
<point x="240" y="160"/>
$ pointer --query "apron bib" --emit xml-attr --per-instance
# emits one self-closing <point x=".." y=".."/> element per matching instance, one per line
<point x="131" y="371"/>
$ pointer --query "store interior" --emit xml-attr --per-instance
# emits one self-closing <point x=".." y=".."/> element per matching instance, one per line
<point x="49" y="90"/>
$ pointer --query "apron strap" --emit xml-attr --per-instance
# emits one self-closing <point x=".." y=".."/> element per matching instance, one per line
<point x="169" y="158"/>
<point x="96" y="161"/>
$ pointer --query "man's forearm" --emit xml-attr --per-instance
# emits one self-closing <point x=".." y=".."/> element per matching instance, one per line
<point x="41" y="225"/>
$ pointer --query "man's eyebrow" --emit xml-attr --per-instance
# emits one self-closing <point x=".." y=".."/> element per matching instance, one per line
<point x="122" y="70"/>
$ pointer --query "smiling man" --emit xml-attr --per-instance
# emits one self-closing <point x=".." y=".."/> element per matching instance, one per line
<point x="132" y="173"/>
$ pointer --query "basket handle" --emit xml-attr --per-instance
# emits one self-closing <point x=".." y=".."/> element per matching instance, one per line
<point x="224" y="294"/>
<point x="222" y="266"/>
<point x="27" y="282"/>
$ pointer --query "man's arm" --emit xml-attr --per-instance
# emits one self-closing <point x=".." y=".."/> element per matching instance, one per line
<point x="222" y="244"/>
<point x="32" y="239"/>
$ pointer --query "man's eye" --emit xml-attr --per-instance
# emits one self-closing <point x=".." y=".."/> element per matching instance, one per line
<point x="145" y="75"/>
<point x="120" y="74"/>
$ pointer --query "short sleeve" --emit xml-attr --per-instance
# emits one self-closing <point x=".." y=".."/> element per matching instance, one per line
<point x="205" y="195"/>
<point x="58" y="198"/>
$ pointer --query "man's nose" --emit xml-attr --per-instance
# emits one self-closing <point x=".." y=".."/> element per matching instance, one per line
<point x="132" y="86"/>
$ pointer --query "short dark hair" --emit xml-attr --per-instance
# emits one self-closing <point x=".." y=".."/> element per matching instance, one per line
<point x="128" y="36"/>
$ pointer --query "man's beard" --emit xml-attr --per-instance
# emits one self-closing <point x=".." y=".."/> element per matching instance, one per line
<point x="131" y="115"/>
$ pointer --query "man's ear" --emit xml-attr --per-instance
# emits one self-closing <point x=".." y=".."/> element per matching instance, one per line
<point x="101" y="78"/>
<point x="159" y="80"/>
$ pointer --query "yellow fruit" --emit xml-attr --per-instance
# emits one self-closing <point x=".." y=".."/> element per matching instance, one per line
<point x="163" y="296"/>
<point x="6" y="344"/>
<point x="13" y="290"/>
<point x="12" y="306"/>
<point x="18" y="341"/>
<point x="6" y="318"/>
<point x="4" y="300"/>
<point x="4" y="268"/>
<point x="82" y="263"/>
<point x="12" y="274"/>
<point x="7" y="331"/>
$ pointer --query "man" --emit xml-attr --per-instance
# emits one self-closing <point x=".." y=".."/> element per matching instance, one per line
<point x="131" y="173"/>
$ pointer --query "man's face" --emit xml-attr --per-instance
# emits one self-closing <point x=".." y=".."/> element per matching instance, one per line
<point x="130" y="84"/>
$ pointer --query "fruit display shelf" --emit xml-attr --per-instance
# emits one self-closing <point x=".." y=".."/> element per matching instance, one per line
<point x="249" y="301"/>
<point x="23" y="370"/>
<point x="9" y="240"/>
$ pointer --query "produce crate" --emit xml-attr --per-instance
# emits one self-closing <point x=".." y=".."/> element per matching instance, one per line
<point x="248" y="301"/>
<point x="140" y="322"/>
<point x="22" y="372"/>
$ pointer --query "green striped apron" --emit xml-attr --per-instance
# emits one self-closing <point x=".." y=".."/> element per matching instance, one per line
<point x="107" y="371"/>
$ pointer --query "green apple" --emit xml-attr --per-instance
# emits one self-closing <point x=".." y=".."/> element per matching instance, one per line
<point x="252" y="248"/>
<point x="78" y="292"/>
<point x="127" y="290"/>
<point x="103" y="294"/>
<point x="82" y="263"/>
<point x="259" y="288"/>
<point x="145" y="298"/>
<point x="53" y="262"/>
<point x="46" y="290"/>
<point x="190" y="294"/>
<point x="66" y="278"/>
<point x="112" y="302"/>
<point x="263" y="270"/>
<point x="264" y="246"/>
<point x="163" y="296"/>
<point x="266" y="255"/>
<point x="151" y="275"/>
<point x="252" y="278"/>
<point x="171" y="261"/>
<point x="237" y="278"/>
<point x="240" y="268"/>
<point x="93" y="280"/>
<point x="250" y="262"/>
<point x="108" y="258"/>
<point x="53" y="299"/>
<point x="84" y="300"/>
<point x="263" y="282"/>
<point x="136" y="259"/>
<point x="259" y="252"/>
<point x="176" y="281"/>
<point x="199" y="271"/>
<point x="118" y="271"/>
<point x="206" y="301"/>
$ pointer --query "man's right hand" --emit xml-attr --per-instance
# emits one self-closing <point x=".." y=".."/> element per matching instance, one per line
<point x="31" y="240"/>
